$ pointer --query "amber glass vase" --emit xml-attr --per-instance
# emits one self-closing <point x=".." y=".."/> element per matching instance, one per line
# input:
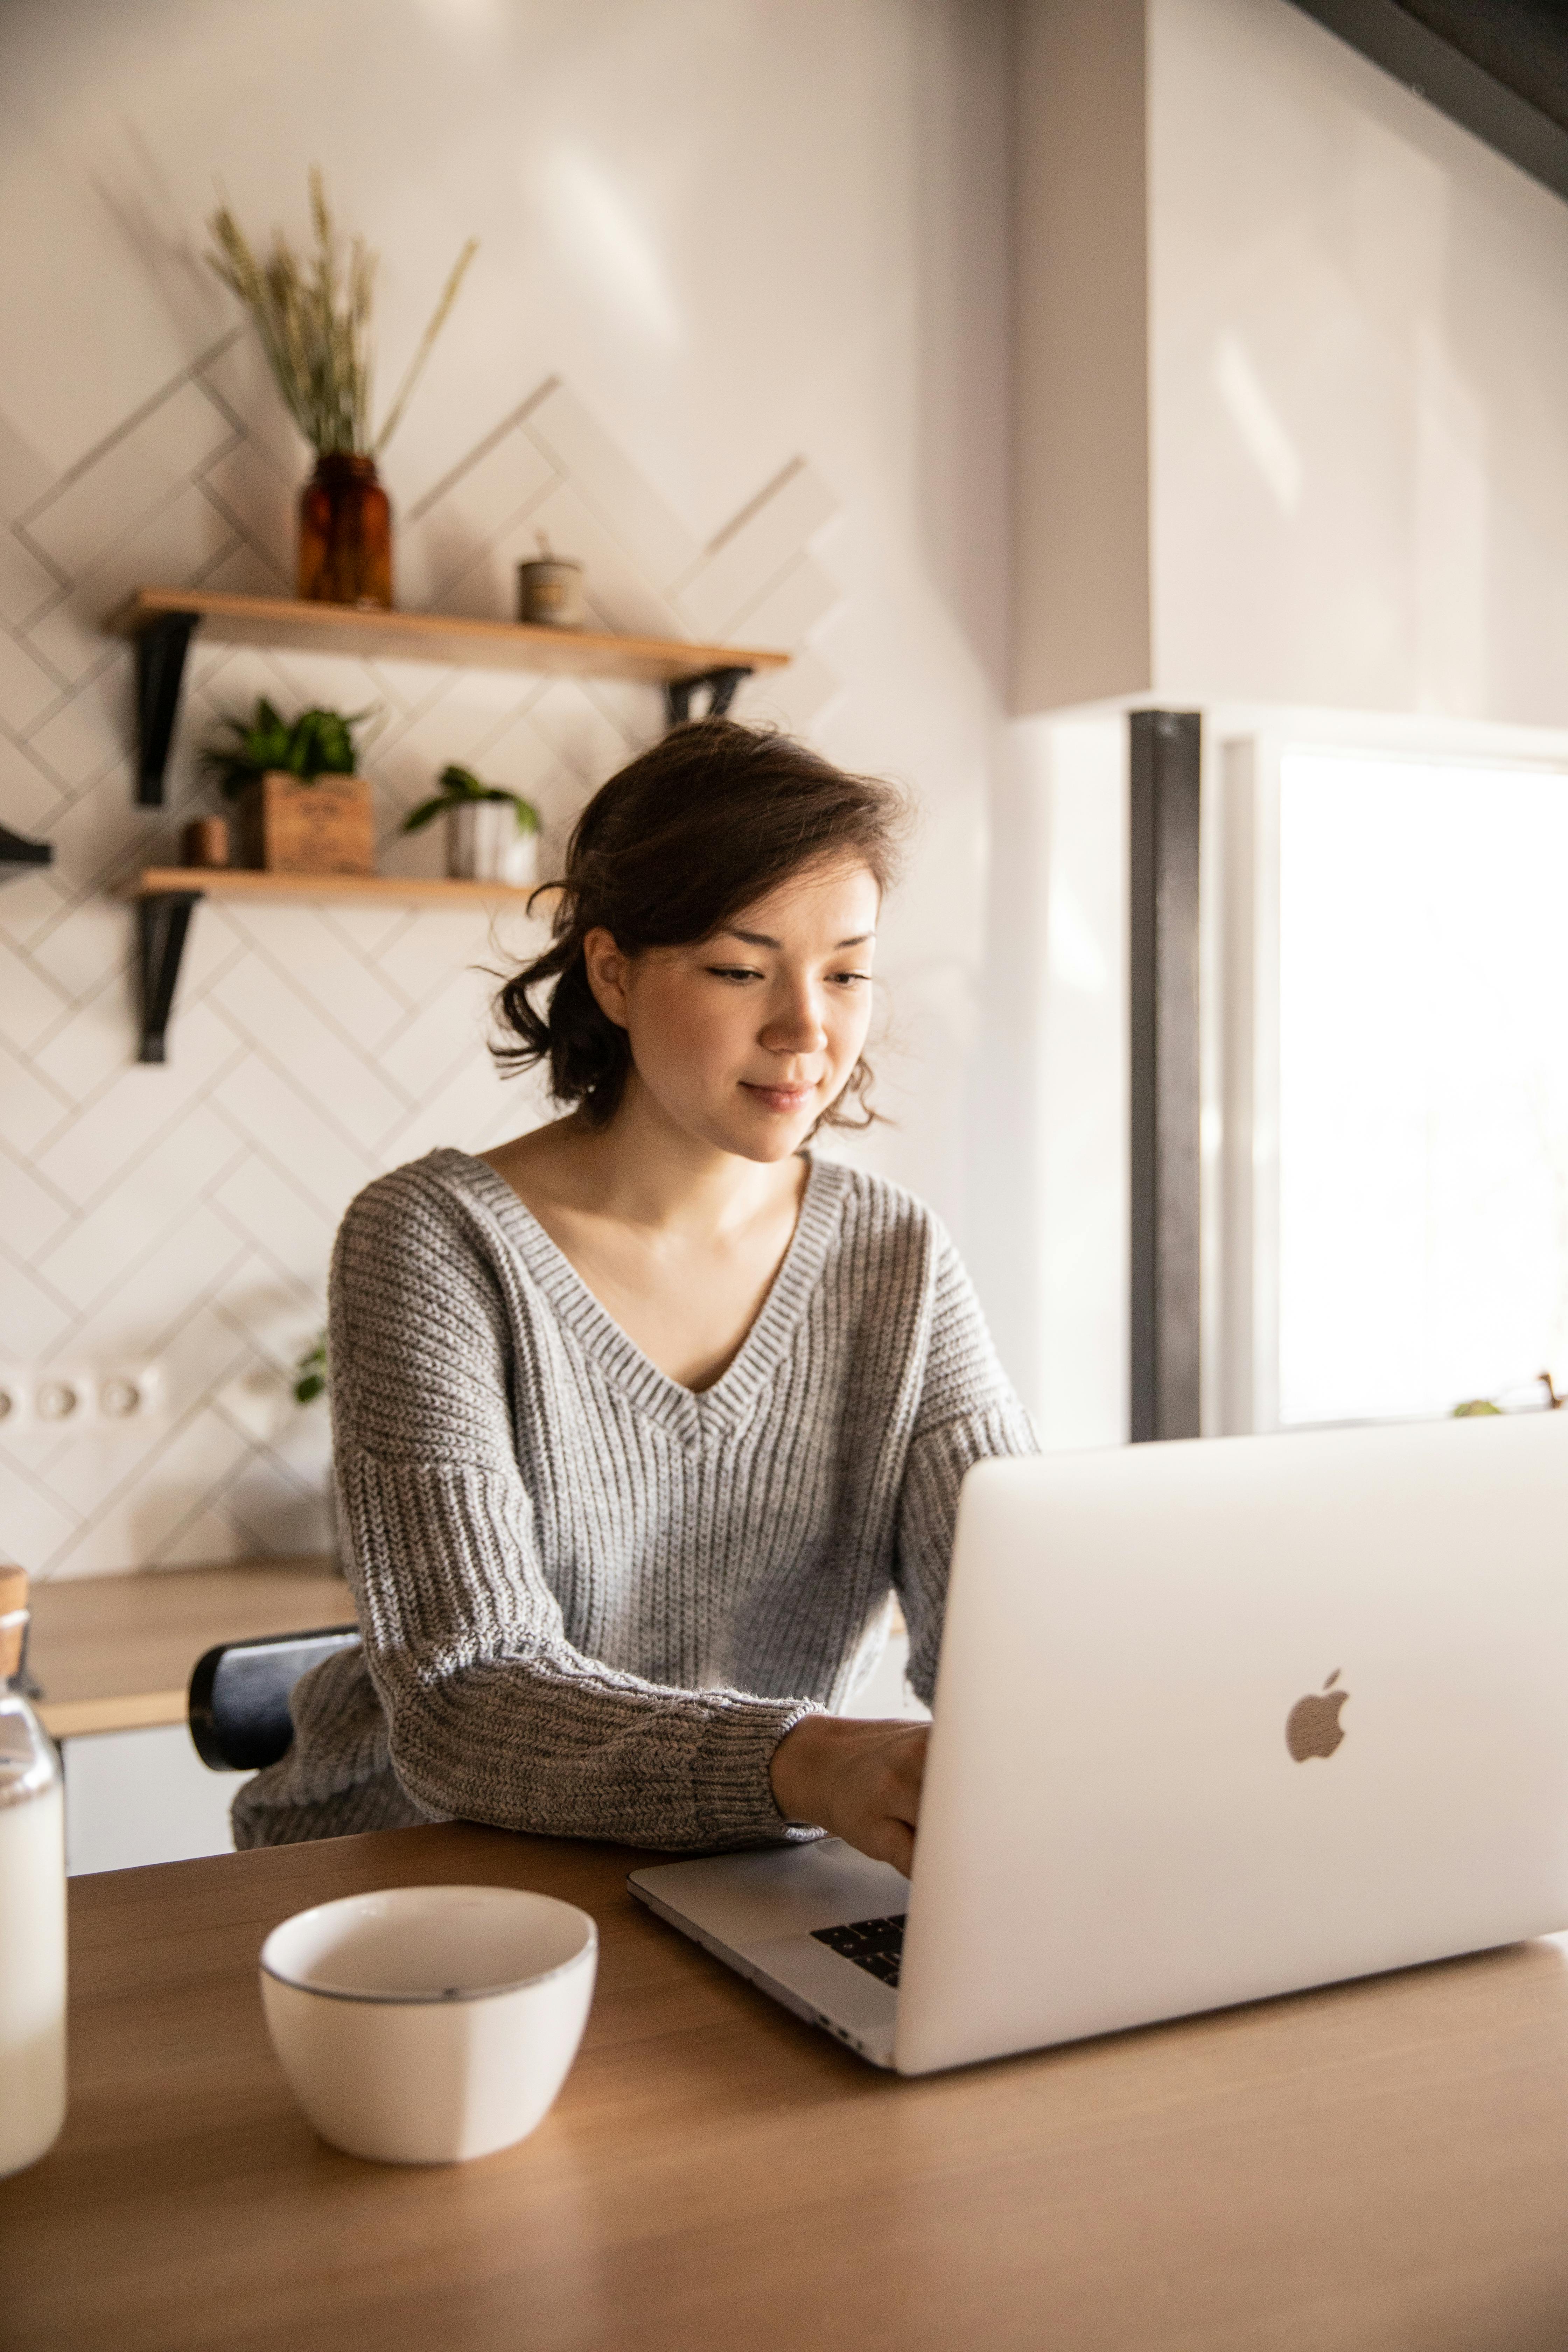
<point x="345" y="534"/>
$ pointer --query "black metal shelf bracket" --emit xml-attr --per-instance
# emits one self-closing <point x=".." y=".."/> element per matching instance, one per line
<point x="721" y="684"/>
<point x="161" y="645"/>
<point x="19" y="857"/>
<point x="161" y="923"/>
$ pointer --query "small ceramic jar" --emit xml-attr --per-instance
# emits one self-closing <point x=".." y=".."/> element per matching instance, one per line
<point x="549" y="592"/>
<point x="204" y="841"/>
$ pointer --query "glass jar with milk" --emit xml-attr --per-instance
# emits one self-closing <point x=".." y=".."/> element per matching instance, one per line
<point x="32" y="1908"/>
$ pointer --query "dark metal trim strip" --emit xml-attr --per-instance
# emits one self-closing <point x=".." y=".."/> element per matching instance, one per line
<point x="1163" y="802"/>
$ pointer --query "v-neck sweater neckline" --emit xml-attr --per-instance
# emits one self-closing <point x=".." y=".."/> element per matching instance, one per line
<point x="686" y="1412"/>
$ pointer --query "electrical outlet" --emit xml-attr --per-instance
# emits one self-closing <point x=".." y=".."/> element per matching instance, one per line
<point x="15" y="1400"/>
<point x="66" y="1398"/>
<point x="62" y="1400"/>
<point x="129" y="1393"/>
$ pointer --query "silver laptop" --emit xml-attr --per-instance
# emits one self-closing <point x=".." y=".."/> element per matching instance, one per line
<point x="1214" y="1721"/>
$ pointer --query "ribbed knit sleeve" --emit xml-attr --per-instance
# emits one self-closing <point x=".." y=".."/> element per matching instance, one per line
<point x="967" y="1411"/>
<point x="491" y="1714"/>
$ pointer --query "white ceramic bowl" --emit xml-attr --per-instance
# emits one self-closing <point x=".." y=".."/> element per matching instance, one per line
<point x="428" y="2024"/>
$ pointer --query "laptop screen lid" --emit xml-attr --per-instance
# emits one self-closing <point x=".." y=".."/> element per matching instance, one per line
<point x="1221" y="1719"/>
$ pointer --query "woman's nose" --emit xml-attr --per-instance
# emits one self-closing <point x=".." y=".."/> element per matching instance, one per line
<point x="796" y="1028"/>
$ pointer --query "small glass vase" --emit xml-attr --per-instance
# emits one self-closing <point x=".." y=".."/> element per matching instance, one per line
<point x="345" y="534"/>
<point x="32" y="1907"/>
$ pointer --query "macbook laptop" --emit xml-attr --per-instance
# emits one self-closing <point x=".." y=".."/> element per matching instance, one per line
<point x="1214" y="1721"/>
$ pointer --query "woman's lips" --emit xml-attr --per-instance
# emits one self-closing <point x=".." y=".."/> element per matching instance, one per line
<point x="780" y="1098"/>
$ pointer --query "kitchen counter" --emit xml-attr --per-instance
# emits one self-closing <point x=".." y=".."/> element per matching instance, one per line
<point x="115" y="1653"/>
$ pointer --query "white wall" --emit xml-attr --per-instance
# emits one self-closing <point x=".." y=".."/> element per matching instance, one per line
<point x="1340" y="479"/>
<point x="740" y="259"/>
<point x="761" y="245"/>
<point x="1081" y="578"/>
<point x="1358" y="363"/>
<point x="1064" y="824"/>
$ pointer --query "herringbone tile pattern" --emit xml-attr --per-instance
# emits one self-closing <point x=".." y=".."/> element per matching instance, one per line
<point x="183" y="1214"/>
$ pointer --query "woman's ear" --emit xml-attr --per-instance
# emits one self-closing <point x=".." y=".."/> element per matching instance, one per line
<point x="606" y="969"/>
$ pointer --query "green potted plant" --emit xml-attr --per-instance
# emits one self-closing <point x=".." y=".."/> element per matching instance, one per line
<point x="300" y="808"/>
<point x="311" y="1380"/>
<point x="313" y="317"/>
<point x="492" y="834"/>
<point x="311" y="1371"/>
<point x="1475" y="1408"/>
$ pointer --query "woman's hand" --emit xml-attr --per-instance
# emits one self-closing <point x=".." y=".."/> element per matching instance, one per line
<point x="860" y="1781"/>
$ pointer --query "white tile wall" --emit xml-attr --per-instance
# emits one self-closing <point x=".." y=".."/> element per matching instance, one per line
<point x="185" y="1214"/>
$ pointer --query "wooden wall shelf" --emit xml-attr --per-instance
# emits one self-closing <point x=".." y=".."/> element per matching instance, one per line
<point x="243" y="882"/>
<point x="435" y="636"/>
<point x="164" y="620"/>
<point x="166" y="897"/>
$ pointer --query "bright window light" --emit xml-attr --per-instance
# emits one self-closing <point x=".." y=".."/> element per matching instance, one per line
<point x="1423" y="1086"/>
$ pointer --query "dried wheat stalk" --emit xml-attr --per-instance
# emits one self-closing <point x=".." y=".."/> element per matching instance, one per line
<point x="313" y="318"/>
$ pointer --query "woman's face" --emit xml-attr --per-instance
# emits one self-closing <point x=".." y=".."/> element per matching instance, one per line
<point x="744" y="1040"/>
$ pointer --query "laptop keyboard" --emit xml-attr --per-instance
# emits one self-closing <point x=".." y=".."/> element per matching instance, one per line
<point x="875" y="1945"/>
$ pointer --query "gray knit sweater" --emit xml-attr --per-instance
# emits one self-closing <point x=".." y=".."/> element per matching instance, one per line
<point x="593" y="1601"/>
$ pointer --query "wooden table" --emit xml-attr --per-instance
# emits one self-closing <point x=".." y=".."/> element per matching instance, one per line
<point x="1382" y="2165"/>
<point x="115" y="1653"/>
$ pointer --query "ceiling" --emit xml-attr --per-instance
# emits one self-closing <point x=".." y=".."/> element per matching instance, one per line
<point x="1497" y="67"/>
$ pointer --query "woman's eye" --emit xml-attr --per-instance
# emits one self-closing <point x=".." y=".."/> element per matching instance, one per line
<point x="851" y="979"/>
<point x="732" y="971"/>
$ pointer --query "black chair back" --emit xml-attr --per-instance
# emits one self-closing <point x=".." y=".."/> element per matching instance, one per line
<point x="238" y="1702"/>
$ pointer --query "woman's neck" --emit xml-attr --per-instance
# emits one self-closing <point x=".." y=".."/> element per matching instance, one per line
<point x="679" y="1242"/>
<point x="643" y="1171"/>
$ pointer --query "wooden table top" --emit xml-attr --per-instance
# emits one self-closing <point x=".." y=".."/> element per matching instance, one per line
<point x="1382" y="2164"/>
<point x="115" y="1653"/>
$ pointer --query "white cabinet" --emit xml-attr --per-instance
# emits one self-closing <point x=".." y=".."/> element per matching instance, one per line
<point x="135" y="1797"/>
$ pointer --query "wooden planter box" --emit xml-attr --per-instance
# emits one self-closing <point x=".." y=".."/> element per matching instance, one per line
<point x="286" y="826"/>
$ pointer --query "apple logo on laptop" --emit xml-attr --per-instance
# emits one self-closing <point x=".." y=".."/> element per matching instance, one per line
<point x="1313" y="1727"/>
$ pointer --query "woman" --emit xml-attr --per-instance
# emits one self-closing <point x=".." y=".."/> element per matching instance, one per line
<point x="640" y="1418"/>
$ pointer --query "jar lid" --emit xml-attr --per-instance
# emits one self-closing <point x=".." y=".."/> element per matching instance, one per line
<point x="13" y="1620"/>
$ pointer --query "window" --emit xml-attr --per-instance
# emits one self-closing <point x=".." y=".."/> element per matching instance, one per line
<point x="1422" y="1078"/>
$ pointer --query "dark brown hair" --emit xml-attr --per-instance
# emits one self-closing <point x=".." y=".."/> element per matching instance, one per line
<point x="709" y="820"/>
